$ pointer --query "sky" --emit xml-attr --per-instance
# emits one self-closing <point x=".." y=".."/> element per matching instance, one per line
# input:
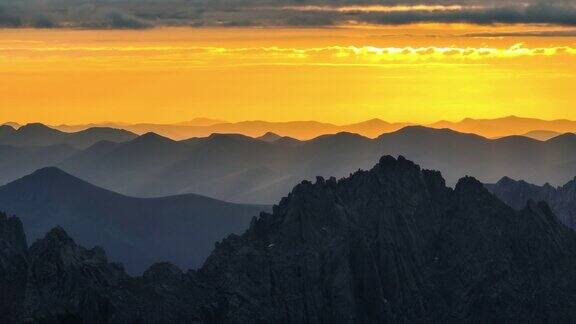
<point x="169" y="61"/>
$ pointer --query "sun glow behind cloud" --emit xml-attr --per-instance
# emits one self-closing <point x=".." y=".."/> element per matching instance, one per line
<point x="380" y="8"/>
<point x="338" y="75"/>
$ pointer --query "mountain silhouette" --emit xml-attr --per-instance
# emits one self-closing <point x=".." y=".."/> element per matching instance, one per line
<point x="561" y="199"/>
<point x="37" y="134"/>
<point x="269" y="137"/>
<point x="391" y="244"/>
<point x="238" y="168"/>
<point x="305" y="130"/>
<point x="506" y="126"/>
<point x="302" y="130"/>
<point x="138" y="232"/>
<point x="16" y="162"/>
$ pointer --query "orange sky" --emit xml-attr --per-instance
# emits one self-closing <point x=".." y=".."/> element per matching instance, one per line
<point x="418" y="73"/>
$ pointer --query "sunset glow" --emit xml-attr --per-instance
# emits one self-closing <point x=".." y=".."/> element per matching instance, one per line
<point x="416" y="73"/>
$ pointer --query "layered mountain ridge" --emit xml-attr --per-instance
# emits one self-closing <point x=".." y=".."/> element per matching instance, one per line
<point x="561" y="199"/>
<point x="36" y="134"/>
<point x="303" y="130"/>
<point x="242" y="169"/>
<point x="136" y="231"/>
<point x="391" y="244"/>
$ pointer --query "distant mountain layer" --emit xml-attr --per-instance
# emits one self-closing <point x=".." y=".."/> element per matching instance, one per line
<point x="507" y="126"/>
<point x="137" y="232"/>
<point x="562" y="199"/>
<point x="298" y="129"/>
<point x="388" y="245"/>
<point x="202" y="127"/>
<point x="238" y="168"/>
<point x="41" y="135"/>
<point x="243" y="169"/>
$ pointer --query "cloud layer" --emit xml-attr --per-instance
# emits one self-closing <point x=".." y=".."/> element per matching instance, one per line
<point x="133" y="14"/>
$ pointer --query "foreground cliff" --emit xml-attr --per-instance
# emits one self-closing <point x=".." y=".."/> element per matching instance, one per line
<point x="392" y="244"/>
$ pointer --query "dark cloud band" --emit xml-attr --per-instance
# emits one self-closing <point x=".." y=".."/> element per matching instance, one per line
<point x="132" y="14"/>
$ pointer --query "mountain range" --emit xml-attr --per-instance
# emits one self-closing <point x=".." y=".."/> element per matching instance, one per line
<point x="201" y="128"/>
<point x="42" y="135"/>
<point x="303" y="130"/>
<point x="137" y="231"/>
<point x="392" y="244"/>
<point x="507" y="126"/>
<point x="242" y="169"/>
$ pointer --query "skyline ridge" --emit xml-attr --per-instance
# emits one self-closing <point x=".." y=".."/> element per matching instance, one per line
<point x="214" y="121"/>
<point x="536" y="128"/>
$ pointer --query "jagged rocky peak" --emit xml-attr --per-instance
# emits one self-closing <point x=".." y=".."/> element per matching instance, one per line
<point x="57" y="247"/>
<point x="562" y="199"/>
<point x="361" y="240"/>
<point x="67" y="281"/>
<point x="390" y="244"/>
<point x="470" y="186"/>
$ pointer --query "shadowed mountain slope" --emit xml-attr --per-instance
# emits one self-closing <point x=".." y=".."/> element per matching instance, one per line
<point x="16" y="162"/>
<point x="136" y="231"/>
<point x="392" y="244"/>
<point x="561" y="199"/>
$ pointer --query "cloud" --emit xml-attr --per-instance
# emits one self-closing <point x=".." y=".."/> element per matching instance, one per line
<point x="541" y="13"/>
<point x="51" y="13"/>
<point x="549" y="33"/>
<point x="120" y="20"/>
<point x="136" y="14"/>
<point x="317" y="54"/>
<point x="8" y="17"/>
<point x="552" y="12"/>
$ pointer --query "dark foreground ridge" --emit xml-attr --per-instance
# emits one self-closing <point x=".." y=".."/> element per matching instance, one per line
<point x="392" y="244"/>
<point x="562" y="199"/>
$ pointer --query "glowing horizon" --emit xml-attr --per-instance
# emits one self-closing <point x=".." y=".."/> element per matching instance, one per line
<point x="417" y="74"/>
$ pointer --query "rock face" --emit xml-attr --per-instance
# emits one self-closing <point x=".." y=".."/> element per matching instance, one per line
<point x="394" y="244"/>
<point x="13" y="265"/>
<point x="67" y="281"/>
<point x="388" y="245"/>
<point x="562" y="199"/>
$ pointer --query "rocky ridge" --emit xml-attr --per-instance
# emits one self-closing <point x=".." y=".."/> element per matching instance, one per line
<point x="392" y="244"/>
